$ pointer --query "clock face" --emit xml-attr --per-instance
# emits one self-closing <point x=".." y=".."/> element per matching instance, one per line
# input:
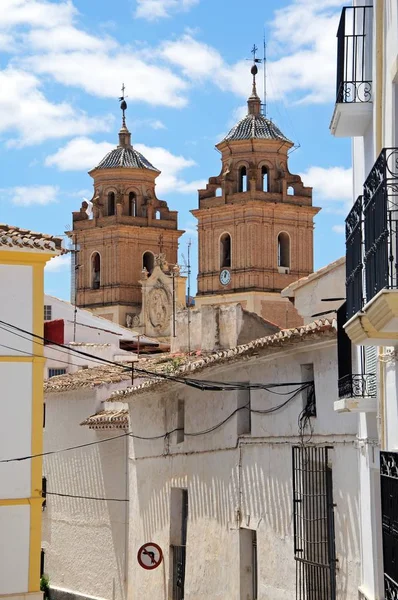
<point x="225" y="277"/>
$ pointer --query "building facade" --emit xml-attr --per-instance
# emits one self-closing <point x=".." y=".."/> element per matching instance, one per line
<point x="248" y="496"/>
<point x="255" y="221"/>
<point x="129" y="226"/>
<point x="23" y="255"/>
<point x="366" y="111"/>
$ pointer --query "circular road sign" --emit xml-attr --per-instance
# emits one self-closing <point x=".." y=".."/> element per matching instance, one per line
<point x="150" y="556"/>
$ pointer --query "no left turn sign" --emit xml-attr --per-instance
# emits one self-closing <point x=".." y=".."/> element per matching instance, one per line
<point x="149" y="556"/>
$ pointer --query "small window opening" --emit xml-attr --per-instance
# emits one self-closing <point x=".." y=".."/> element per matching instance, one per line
<point x="148" y="261"/>
<point x="290" y="190"/>
<point x="47" y="312"/>
<point x="157" y="214"/>
<point x="132" y="205"/>
<point x="265" y="182"/>
<point x="244" y="421"/>
<point x="283" y="250"/>
<point x="44" y="415"/>
<point x="178" y="539"/>
<point x="218" y="192"/>
<point x="111" y="203"/>
<point x="309" y="400"/>
<point x="96" y="271"/>
<point x="242" y="179"/>
<point x="225" y="250"/>
<point x="180" y="421"/>
<point x="44" y="492"/>
<point x="55" y="372"/>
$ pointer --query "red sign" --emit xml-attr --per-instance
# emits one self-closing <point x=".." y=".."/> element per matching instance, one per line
<point x="150" y="556"/>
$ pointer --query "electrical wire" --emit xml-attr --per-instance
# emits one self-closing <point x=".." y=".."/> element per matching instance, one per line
<point x="84" y="497"/>
<point x="167" y="434"/>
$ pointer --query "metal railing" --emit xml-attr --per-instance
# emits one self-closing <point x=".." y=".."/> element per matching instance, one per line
<point x="353" y="82"/>
<point x="389" y="518"/>
<point x="358" y="386"/>
<point x="380" y="209"/>
<point x="372" y="234"/>
<point x="354" y="258"/>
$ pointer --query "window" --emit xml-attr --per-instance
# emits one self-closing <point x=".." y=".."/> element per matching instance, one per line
<point x="132" y="205"/>
<point x="244" y="415"/>
<point x="42" y="562"/>
<point x="371" y="369"/>
<point x="344" y="355"/>
<point x="96" y="271"/>
<point x="55" y="372"/>
<point x="178" y="538"/>
<point x="264" y="177"/>
<point x="290" y="190"/>
<point x="157" y="214"/>
<point x="242" y="184"/>
<point x="180" y="421"/>
<point x="44" y="492"/>
<point x="313" y="523"/>
<point x="218" y="192"/>
<point x="44" y="415"/>
<point x="148" y="261"/>
<point x="225" y="250"/>
<point x="48" y="312"/>
<point x="309" y="400"/>
<point x="111" y="203"/>
<point x="283" y="250"/>
<point x="248" y="564"/>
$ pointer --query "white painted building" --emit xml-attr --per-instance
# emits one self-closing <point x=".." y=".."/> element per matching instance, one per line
<point x="366" y="110"/>
<point x="23" y="255"/>
<point x="246" y="504"/>
<point x="81" y="330"/>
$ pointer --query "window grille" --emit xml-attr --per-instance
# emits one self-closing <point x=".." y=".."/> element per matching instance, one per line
<point x="313" y="523"/>
<point x="55" y="372"/>
<point x="44" y="492"/>
<point x="179" y="552"/>
<point x="48" y="312"/>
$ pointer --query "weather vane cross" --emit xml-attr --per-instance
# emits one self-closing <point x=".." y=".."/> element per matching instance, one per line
<point x="123" y="105"/>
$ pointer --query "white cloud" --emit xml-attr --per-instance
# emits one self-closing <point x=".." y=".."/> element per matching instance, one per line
<point x="331" y="185"/>
<point x="79" y="154"/>
<point x="39" y="13"/>
<point x="58" y="263"/>
<point x="83" y="153"/>
<point x="25" y="109"/>
<point x="65" y="38"/>
<point x="32" y="195"/>
<point x="159" y="9"/>
<point x="340" y="229"/>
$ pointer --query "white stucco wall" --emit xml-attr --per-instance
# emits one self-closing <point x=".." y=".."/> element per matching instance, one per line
<point x="235" y="484"/>
<point x="85" y="540"/>
<point x="14" y="549"/>
<point x="15" y="308"/>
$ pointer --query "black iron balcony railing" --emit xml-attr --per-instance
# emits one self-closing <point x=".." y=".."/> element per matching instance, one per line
<point x="354" y="258"/>
<point x="389" y="519"/>
<point x="358" y="386"/>
<point x="354" y="82"/>
<point x="380" y="209"/>
<point x="372" y="235"/>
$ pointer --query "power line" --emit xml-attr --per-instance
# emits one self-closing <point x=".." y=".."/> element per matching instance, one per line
<point x="84" y="497"/>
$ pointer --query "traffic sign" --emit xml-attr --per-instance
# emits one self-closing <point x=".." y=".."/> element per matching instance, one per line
<point x="150" y="556"/>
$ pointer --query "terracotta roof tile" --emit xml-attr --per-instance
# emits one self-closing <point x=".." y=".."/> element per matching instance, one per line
<point x="196" y="364"/>
<point x="125" y="158"/>
<point x="108" y="419"/>
<point x="25" y="239"/>
<point x="255" y="126"/>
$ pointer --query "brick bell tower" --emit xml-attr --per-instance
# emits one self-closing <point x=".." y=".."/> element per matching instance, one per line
<point x="128" y="227"/>
<point x="255" y="221"/>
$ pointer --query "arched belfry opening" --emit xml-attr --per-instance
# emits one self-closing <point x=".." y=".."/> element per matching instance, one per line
<point x="95" y="271"/>
<point x="111" y="203"/>
<point x="148" y="261"/>
<point x="242" y="182"/>
<point x="264" y="179"/>
<point x="225" y="250"/>
<point x="284" y="250"/>
<point x="132" y="204"/>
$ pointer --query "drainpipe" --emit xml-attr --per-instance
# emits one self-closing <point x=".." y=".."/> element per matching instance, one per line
<point x="381" y="398"/>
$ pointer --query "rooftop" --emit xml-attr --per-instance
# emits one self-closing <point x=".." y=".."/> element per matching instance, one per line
<point x="17" y="238"/>
<point x="108" y="419"/>
<point x="125" y="158"/>
<point x="290" y="289"/>
<point x="255" y="126"/>
<point x="195" y="364"/>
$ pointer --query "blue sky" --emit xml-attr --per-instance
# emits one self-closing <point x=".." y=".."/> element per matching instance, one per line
<point x="184" y="65"/>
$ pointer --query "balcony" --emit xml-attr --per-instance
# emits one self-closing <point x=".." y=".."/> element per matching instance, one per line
<point x="353" y="110"/>
<point x="372" y="257"/>
<point x="357" y="393"/>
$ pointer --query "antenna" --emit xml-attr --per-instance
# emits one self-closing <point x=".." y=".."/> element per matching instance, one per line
<point x="265" y="77"/>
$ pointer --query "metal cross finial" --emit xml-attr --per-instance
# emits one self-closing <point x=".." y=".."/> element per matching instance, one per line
<point x="254" y="50"/>
<point x="123" y="105"/>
